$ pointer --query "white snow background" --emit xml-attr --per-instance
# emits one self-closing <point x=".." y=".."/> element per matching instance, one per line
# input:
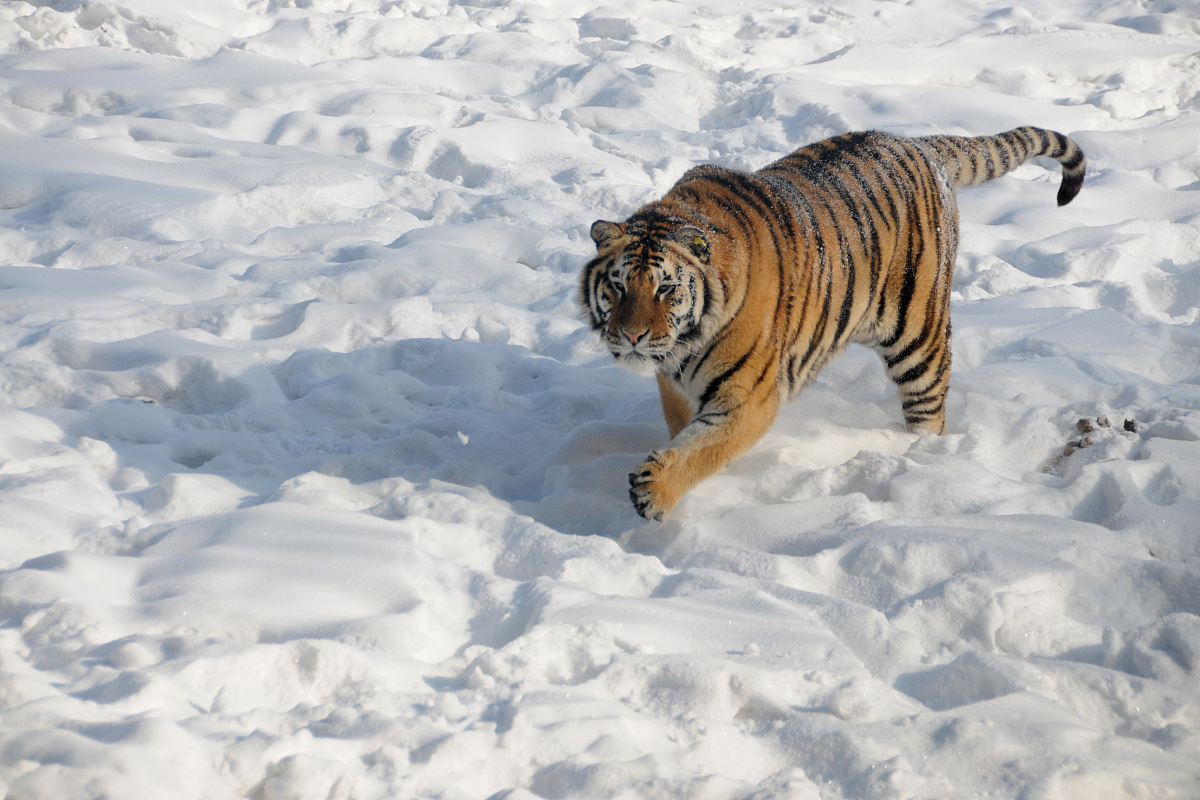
<point x="313" y="484"/>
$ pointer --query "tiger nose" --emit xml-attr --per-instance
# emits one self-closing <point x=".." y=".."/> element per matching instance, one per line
<point x="634" y="336"/>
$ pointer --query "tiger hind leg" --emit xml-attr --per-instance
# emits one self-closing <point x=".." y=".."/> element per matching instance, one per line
<point x="920" y="368"/>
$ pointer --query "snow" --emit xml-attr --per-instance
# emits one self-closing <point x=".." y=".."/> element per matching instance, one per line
<point x="313" y="484"/>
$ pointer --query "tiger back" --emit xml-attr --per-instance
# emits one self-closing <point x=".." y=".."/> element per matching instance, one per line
<point x="736" y="288"/>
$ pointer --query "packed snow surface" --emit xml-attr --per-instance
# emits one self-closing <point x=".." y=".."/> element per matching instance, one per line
<point x="313" y="484"/>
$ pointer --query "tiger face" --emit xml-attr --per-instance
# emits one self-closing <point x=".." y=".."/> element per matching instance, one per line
<point x="648" y="290"/>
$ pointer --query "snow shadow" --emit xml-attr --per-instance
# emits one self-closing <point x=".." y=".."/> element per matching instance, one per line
<point x="554" y="441"/>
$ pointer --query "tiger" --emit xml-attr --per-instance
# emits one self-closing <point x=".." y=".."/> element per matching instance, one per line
<point x="736" y="288"/>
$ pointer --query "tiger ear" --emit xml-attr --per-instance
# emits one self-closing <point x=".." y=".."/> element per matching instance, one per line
<point x="694" y="239"/>
<point x="604" y="232"/>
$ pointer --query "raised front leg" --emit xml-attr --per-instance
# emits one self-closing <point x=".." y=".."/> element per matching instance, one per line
<point x="703" y="446"/>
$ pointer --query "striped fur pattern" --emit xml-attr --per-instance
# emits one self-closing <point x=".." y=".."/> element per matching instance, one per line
<point x="736" y="288"/>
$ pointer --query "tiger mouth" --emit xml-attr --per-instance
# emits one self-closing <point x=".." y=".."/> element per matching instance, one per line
<point x="642" y="353"/>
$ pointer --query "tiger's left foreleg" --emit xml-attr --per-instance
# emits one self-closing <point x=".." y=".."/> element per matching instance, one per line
<point x="706" y="444"/>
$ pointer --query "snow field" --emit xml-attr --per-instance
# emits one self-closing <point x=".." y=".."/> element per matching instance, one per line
<point x="313" y="485"/>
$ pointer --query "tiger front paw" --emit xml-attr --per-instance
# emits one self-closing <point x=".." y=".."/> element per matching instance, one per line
<point x="650" y="486"/>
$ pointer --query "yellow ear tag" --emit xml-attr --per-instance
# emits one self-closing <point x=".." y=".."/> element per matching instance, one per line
<point x="699" y="242"/>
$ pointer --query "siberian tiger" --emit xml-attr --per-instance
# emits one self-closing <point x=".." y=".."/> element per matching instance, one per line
<point x="738" y="287"/>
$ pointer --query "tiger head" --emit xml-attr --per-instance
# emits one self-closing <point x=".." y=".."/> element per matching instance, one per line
<point x="649" y="289"/>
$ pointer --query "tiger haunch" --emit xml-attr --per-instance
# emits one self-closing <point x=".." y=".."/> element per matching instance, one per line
<point x="738" y="287"/>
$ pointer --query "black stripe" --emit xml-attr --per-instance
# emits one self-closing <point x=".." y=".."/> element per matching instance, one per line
<point x="1008" y="159"/>
<point x="727" y="180"/>
<point x="935" y="400"/>
<point x="1028" y="142"/>
<point x="909" y="349"/>
<point x="822" y="320"/>
<point x="847" y="263"/>
<point x="598" y="279"/>
<point x="1046" y="141"/>
<point x="915" y="371"/>
<point x="914" y="251"/>
<point x="920" y="369"/>
<point x="711" y="419"/>
<point x="944" y="265"/>
<point x="1072" y="161"/>
<point x="697" y="362"/>
<point x="799" y="204"/>
<point x="708" y="294"/>
<point x="868" y="234"/>
<point x="715" y="384"/>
